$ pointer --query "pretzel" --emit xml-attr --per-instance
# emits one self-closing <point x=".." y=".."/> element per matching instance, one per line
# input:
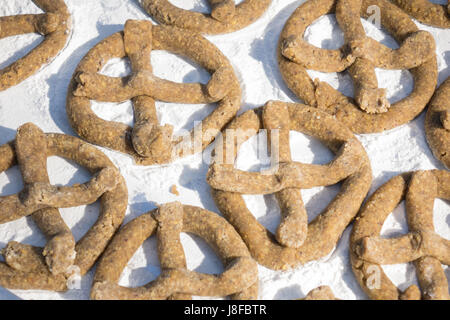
<point x="371" y="110"/>
<point x="148" y="142"/>
<point x="48" y="268"/>
<point x="225" y="16"/>
<point x="296" y="241"/>
<point x="422" y="245"/>
<point x="240" y="279"/>
<point x="427" y="12"/>
<point x="437" y="123"/>
<point x="55" y="25"/>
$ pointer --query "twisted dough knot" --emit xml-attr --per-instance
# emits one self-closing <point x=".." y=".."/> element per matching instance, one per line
<point x="54" y="24"/>
<point x="48" y="268"/>
<point x="47" y="23"/>
<point x="361" y="55"/>
<point x="225" y="15"/>
<point x="240" y="278"/>
<point x="297" y="242"/>
<point x="321" y="293"/>
<point x="38" y="193"/>
<point x="422" y="245"/>
<point x="370" y="111"/>
<point x="148" y="141"/>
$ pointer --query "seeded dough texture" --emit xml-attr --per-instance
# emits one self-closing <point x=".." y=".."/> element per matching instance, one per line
<point x="427" y="12"/>
<point x="55" y="25"/>
<point x="370" y="111"/>
<point x="437" y="123"/>
<point x="28" y="267"/>
<point x="422" y="245"/>
<point x="240" y="279"/>
<point x="296" y="241"/>
<point x="41" y="199"/>
<point x="225" y="16"/>
<point x="148" y="142"/>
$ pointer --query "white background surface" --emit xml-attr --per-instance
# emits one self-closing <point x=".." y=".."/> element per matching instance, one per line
<point x="252" y="51"/>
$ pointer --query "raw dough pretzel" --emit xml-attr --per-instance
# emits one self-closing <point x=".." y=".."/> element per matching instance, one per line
<point x="422" y="245"/>
<point x="371" y="112"/>
<point x="240" y="279"/>
<point x="54" y="25"/>
<point x="225" y="15"/>
<point x="426" y="12"/>
<point x="297" y="242"/>
<point x="148" y="142"/>
<point x="29" y="267"/>
<point x="437" y="123"/>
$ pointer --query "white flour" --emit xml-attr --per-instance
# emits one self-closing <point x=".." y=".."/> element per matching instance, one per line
<point x="252" y="51"/>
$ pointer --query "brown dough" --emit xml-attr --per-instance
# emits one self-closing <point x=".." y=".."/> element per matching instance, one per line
<point x="437" y="123"/>
<point x="422" y="245"/>
<point x="297" y="242"/>
<point x="240" y="279"/>
<point x="148" y="142"/>
<point x="225" y="15"/>
<point x="28" y="267"/>
<point x="55" y="25"/>
<point x="321" y="293"/>
<point x="370" y="112"/>
<point x="427" y="12"/>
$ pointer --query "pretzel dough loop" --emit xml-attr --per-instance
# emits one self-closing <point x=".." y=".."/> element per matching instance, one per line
<point x="297" y="242"/>
<point x="427" y="12"/>
<point x="422" y="245"/>
<point x="225" y="16"/>
<point x="149" y="142"/>
<point x="175" y="281"/>
<point x="38" y="193"/>
<point x="27" y="267"/>
<point x="437" y="123"/>
<point x="360" y="55"/>
<point x="55" y="25"/>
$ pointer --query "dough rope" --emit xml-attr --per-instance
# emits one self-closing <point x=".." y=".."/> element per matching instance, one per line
<point x="433" y="14"/>
<point x="437" y="123"/>
<point x="320" y="293"/>
<point x="421" y="245"/>
<point x="240" y="279"/>
<point x="148" y="142"/>
<point x="370" y="111"/>
<point x="47" y="268"/>
<point x="55" y="25"/>
<point x="296" y="241"/>
<point x="225" y="16"/>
